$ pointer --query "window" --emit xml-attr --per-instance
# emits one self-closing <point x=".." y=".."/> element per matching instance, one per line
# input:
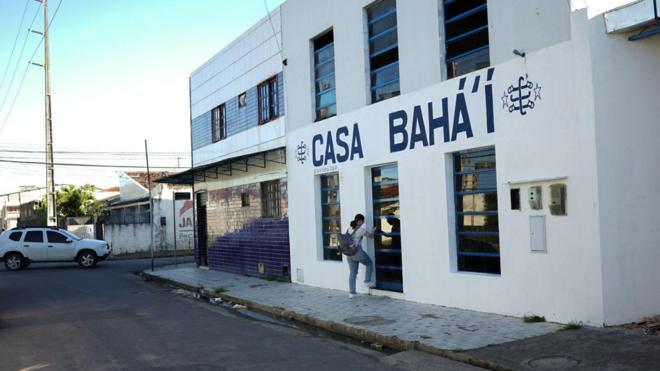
<point x="324" y="76"/>
<point x="245" y="199"/>
<point x="383" y="50"/>
<point x="54" y="237"/>
<point x="268" y="100"/>
<point x="477" y="228"/>
<point x="466" y="36"/>
<point x="387" y="242"/>
<point x="34" y="236"/>
<point x="242" y="100"/>
<point x="219" y="126"/>
<point x="330" y="216"/>
<point x="270" y="199"/>
<point x="515" y="198"/>
<point x="16" y="236"/>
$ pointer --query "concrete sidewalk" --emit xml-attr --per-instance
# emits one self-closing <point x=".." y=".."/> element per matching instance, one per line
<point x="482" y="339"/>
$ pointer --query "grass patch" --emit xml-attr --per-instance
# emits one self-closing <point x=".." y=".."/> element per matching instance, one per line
<point x="533" y="318"/>
<point x="572" y="326"/>
<point x="219" y="290"/>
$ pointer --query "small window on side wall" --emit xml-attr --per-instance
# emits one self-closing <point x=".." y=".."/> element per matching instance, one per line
<point x="268" y="99"/>
<point x="270" y="199"/>
<point x="218" y="123"/>
<point x="242" y="100"/>
<point x="245" y="199"/>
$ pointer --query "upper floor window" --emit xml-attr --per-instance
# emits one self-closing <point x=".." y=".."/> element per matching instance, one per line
<point x="219" y="123"/>
<point x="383" y="50"/>
<point x="324" y="76"/>
<point x="466" y="36"/>
<point x="268" y="100"/>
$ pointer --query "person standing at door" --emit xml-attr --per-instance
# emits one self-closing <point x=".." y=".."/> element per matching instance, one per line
<point x="358" y="231"/>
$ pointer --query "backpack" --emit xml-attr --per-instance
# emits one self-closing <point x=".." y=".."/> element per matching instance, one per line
<point x="346" y="244"/>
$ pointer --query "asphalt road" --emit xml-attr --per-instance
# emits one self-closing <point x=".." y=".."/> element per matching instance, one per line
<point x="61" y="317"/>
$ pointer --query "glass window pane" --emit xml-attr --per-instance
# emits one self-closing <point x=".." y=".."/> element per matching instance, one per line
<point x="383" y="25"/>
<point x="477" y="223"/>
<point x="481" y="264"/>
<point x="479" y="244"/>
<point x="469" y="63"/>
<point x="475" y="160"/>
<point x="326" y="99"/>
<point x="385" y="92"/>
<point x="477" y="202"/>
<point x="325" y="83"/>
<point x="386" y="74"/>
<point x="54" y="237"/>
<point x="386" y="209"/>
<point x="476" y="181"/>
<point x="330" y="181"/>
<point x="324" y="69"/>
<point x="326" y="112"/>
<point x="331" y="210"/>
<point x="330" y="196"/>
<point x="380" y="8"/>
<point x="332" y="225"/>
<point x="386" y="191"/>
<point x="384" y="42"/>
<point x="34" y="236"/>
<point x="324" y="55"/>
<point x="385" y="174"/>
<point x="16" y="236"/>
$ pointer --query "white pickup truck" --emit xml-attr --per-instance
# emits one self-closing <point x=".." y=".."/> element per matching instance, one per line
<point x="21" y="246"/>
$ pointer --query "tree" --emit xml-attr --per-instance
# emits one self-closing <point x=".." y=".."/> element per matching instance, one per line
<point x="73" y="201"/>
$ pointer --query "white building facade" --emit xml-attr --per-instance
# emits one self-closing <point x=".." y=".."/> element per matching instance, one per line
<point x="238" y="142"/>
<point x="500" y="181"/>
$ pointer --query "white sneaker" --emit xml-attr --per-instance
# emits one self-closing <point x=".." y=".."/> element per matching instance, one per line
<point x="370" y="284"/>
<point x="351" y="296"/>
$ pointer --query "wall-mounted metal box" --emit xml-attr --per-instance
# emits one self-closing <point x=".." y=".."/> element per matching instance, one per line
<point x="535" y="197"/>
<point x="633" y="16"/>
<point x="558" y="199"/>
<point x="537" y="233"/>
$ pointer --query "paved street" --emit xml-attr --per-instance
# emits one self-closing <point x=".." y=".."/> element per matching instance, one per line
<point x="60" y="317"/>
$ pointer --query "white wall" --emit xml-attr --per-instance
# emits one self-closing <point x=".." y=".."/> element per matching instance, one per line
<point x="556" y="139"/>
<point x="626" y="79"/>
<point x="247" y="61"/>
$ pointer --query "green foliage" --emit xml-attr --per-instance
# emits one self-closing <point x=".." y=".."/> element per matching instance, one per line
<point x="74" y="201"/>
<point x="532" y="318"/>
<point x="572" y="326"/>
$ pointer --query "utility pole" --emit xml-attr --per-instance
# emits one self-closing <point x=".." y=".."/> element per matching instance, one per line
<point x="50" y="173"/>
<point x="151" y="207"/>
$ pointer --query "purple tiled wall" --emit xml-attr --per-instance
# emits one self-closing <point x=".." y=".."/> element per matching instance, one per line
<point x="239" y="239"/>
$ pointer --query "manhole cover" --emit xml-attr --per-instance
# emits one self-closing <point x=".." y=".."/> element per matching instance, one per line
<point x="553" y="362"/>
<point x="369" y="321"/>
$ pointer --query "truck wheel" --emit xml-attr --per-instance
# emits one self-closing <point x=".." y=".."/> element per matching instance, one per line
<point x="87" y="259"/>
<point x="13" y="261"/>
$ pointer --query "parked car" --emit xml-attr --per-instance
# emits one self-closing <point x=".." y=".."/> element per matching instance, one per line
<point x="21" y="246"/>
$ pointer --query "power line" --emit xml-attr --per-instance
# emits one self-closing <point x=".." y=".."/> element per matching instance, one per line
<point x="18" y="60"/>
<point x="13" y="48"/>
<point x="90" y="165"/>
<point x="18" y="92"/>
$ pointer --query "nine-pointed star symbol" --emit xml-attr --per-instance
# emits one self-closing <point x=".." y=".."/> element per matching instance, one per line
<point x="505" y="100"/>
<point x="537" y="92"/>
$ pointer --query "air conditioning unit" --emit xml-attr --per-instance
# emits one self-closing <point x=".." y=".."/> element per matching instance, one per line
<point x="633" y="16"/>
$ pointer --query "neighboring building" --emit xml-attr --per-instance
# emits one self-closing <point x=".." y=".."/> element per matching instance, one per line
<point x="238" y="151"/>
<point x="130" y="225"/>
<point x="495" y="144"/>
<point x="19" y="207"/>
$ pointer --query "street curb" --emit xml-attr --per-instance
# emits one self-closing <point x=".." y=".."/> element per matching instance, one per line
<point x="335" y="327"/>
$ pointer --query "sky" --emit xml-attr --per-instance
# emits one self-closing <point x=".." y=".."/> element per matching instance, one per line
<point x="119" y="75"/>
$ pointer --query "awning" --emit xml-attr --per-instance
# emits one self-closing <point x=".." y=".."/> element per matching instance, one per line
<point x="228" y="167"/>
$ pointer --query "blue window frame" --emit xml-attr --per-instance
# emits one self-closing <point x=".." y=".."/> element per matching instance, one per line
<point x="325" y="100"/>
<point x="477" y="225"/>
<point x="387" y="220"/>
<point x="330" y="216"/>
<point x="466" y="36"/>
<point x="383" y="50"/>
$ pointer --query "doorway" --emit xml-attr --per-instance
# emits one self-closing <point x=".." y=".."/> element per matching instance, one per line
<point x="202" y="234"/>
<point x="387" y="241"/>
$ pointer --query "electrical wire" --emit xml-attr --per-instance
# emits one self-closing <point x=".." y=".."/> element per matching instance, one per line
<point x="18" y="60"/>
<point x="92" y="165"/>
<point x="13" y="48"/>
<point x="18" y="92"/>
